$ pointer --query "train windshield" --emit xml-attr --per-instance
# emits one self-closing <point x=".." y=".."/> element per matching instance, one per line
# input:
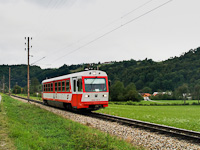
<point x="95" y="85"/>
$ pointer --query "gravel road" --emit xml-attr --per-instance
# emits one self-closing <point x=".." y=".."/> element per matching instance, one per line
<point x="137" y="137"/>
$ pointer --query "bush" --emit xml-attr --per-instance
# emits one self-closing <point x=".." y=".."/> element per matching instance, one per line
<point x="163" y="97"/>
<point x="130" y="103"/>
<point x="194" y="103"/>
<point x="16" y="89"/>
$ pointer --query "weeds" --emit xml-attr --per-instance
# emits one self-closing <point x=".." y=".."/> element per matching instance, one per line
<point x="34" y="128"/>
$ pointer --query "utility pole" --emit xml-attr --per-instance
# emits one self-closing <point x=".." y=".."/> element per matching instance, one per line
<point x="3" y="83"/>
<point x="28" y="76"/>
<point x="9" y="80"/>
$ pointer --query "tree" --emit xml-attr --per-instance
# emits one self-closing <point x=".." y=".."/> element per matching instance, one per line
<point x="17" y="89"/>
<point x="197" y="92"/>
<point x="182" y="92"/>
<point x="117" y="91"/>
<point x="34" y="85"/>
<point x="131" y="93"/>
<point x="146" y="90"/>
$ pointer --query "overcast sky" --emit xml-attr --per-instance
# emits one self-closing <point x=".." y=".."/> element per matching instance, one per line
<point x="87" y="31"/>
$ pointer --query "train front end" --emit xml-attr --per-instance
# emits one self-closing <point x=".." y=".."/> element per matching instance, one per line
<point x="95" y="90"/>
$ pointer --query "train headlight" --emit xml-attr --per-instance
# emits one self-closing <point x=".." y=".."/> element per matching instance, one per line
<point x="104" y="95"/>
<point x="94" y="73"/>
<point x="87" y="96"/>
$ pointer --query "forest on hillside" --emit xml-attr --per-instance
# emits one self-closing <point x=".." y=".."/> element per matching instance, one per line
<point x="174" y="74"/>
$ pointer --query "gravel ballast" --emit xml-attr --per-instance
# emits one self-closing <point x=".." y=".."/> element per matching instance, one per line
<point x="138" y="137"/>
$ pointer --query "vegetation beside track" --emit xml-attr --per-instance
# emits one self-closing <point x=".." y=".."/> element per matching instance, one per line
<point x="141" y="103"/>
<point x="186" y="117"/>
<point x="168" y="112"/>
<point x="5" y="142"/>
<point x="31" y="97"/>
<point x="157" y="103"/>
<point x="33" y="128"/>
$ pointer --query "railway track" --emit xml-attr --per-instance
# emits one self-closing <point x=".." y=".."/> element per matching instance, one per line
<point x="172" y="131"/>
<point x="31" y="100"/>
<point x="192" y="136"/>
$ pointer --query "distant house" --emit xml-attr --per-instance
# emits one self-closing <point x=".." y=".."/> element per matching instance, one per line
<point x="162" y="93"/>
<point x="106" y="63"/>
<point x="145" y="96"/>
<point x="188" y="96"/>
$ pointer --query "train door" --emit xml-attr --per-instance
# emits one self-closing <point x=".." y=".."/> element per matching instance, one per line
<point x="55" y="85"/>
<point x="77" y="91"/>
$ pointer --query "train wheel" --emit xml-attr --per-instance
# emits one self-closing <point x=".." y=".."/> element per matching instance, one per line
<point x="45" y="102"/>
<point x="67" y="106"/>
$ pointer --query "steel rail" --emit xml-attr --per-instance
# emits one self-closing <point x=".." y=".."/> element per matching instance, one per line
<point x="31" y="100"/>
<point x="181" y="133"/>
<point x="193" y="136"/>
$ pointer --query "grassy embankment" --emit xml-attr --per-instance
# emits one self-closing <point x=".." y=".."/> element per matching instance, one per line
<point x="31" y="97"/>
<point x="5" y="142"/>
<point x="158" y="103"/>
<point x="186" y="116"/>
<point x="176" y="114"/>
<point x="33" y="128"/>
<point x="141" y="103"/>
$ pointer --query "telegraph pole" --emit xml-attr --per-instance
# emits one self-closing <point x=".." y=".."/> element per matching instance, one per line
<point x="28" y="72"/>
<point x="28" y="76"/>
<point x="3" y="83"/>
<point x="9" y="79"/>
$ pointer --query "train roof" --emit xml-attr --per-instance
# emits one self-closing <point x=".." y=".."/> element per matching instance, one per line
<point x="78" y="74"/>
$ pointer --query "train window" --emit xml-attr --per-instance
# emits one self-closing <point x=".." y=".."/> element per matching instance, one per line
<point x="95" y="85"/>
<point x="48" y="87"/>
<point x="59" y="86"/>
<point x="56" y="84"/>
<point x="67" y="85"/>
<point x="51" y="87"/>
<point x="74" y="85"/>
<point x="79" y="84"/>
<point x="63" y="86"/>
<point x="43" y="87"/>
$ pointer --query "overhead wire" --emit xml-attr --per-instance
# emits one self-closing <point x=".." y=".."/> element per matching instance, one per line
<point x="55" y="6"/>
<point x="122" y="25"/>
<point x="49" y="13"/>
<point x="77" y="41"/>
<point x="116" y="20"/>
<point x="38" y="60"/>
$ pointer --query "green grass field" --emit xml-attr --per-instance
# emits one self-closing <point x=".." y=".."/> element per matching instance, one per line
<point x="148" y="103"/>
<point x="186" y="117"/>
<point x="183" y="116"/>
<point x="157" y="102"/>
<point x="30" y="127"/>
<point x="31" y="97"/>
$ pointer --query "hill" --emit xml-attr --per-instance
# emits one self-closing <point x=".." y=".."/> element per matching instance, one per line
<point x="165" y="75"/>
<point x="156" y="76"/>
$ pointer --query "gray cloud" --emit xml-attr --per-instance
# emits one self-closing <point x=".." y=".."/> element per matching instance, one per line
<point x="53" y="3"/>
<point x="61" y="30"/>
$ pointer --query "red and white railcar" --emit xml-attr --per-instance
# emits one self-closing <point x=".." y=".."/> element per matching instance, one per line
<point x="82" y="90"/>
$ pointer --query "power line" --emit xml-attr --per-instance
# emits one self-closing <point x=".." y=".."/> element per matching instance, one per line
<point x="49" y="13"/>
<point x="38" y="60"/>
<point x="126" y="14"/>
<point x="134" y="19"/>
<point x="136" y="8"/>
